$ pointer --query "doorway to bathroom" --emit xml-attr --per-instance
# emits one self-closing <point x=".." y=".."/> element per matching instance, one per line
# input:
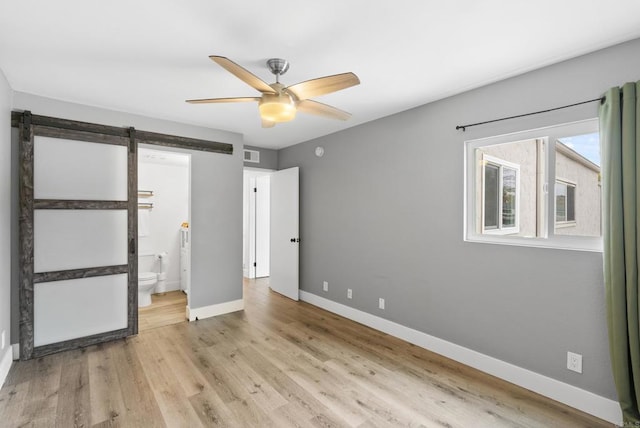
<point x="164" y="236"/>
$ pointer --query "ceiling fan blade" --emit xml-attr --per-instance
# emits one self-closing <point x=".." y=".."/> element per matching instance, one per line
<point x="319" y="109"/>
<point x="224" y="100"/>
<point x="242" y="73"/>
<point x="268" y="124"/>
<point x="323" y="85"/>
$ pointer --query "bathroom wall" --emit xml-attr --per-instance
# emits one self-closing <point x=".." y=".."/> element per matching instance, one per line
<point x="167" y="175"/>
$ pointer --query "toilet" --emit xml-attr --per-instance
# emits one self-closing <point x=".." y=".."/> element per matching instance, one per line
<point x="146" y="283"/>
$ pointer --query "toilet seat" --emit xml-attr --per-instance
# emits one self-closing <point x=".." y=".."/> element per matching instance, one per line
<point x="147" y="276"/>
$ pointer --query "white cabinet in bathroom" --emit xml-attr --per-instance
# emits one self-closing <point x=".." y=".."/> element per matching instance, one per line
<point x="185" y="259"/>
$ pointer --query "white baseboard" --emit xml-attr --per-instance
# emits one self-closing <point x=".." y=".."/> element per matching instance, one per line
<point x="168" y="286"/>
<point x="580" y="399"/>
<point x="5" y="364"/>
<point x="214" y="310"/>
<point x="16" y="351"/>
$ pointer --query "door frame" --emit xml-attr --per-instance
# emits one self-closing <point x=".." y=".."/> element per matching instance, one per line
<point x="250" y="218"/>
<point x="31" y="125"/>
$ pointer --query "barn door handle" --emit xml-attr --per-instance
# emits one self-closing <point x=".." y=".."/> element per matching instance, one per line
<point x="132" y="246"/>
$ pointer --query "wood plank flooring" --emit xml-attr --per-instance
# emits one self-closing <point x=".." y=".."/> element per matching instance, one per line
<point x="165" y="309"/>
<point x="278" y="363"/>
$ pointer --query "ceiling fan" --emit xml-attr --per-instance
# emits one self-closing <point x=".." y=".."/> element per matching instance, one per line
<point x="278" y="102"/>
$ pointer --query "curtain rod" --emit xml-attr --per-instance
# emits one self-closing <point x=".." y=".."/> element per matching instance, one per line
<point x="464" y="127"/>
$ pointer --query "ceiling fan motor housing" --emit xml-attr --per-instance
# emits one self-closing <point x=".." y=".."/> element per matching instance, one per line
<point x="278" y="66"/>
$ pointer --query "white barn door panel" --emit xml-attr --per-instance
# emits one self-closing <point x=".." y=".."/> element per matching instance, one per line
<point x="65" y="240"/>
<point x="75" y="239"/>
<point x="70" y="309"/>
<point x="68" y="169"/>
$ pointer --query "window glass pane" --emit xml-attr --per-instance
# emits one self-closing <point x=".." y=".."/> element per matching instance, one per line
<point x="561" y="202"/>
<point x="508" y="197"/>
<point x="578" y="170"/>
<point x="571" y="203"/>
<point x="587" y="146"/>
<point x="491" y="191"/>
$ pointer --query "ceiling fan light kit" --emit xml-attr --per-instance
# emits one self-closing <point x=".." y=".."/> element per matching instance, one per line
<point x="279" y="103"/>
<point x="277" y="107"/>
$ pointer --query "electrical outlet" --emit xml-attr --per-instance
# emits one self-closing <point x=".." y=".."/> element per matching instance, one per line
<point x="349" y="293"/>
<point x="574" y="362"/>
<point x="325" y="286"/>
<point x="381" y="303"/>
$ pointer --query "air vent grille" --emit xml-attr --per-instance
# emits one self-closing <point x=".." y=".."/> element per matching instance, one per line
<point x="251" y="156"/>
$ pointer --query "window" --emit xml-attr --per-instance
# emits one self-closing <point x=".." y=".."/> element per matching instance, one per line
<point x="536" y="188"/>
<point x="565" y="202"/>
<point x="500" y="187"/>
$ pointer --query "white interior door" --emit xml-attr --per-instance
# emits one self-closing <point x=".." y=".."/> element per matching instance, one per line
<point x="250" y="226"/>
<point x="285" y="241"/>
<point x="262" y="225"/>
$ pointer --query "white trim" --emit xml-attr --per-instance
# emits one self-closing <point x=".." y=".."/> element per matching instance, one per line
<point x="580" y="399"/>
<point x="16" y="351"/>
<point x="214" y="310"/>
<point x="5" y="364"/>
<point x="567" y="184"/>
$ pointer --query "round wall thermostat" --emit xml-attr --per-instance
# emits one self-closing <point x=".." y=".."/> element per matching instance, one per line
<point x="319" y="151"/>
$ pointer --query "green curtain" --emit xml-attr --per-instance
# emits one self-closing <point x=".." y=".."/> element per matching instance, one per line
<point x="620" y="147"/>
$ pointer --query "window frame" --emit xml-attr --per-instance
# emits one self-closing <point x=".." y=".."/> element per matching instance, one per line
<point x="501" y="164"/>
<point x="546" y="207"/>
<point x="567" y="222"/>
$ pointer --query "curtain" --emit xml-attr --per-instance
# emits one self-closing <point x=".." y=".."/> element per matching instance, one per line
<point x="620" y="147"/>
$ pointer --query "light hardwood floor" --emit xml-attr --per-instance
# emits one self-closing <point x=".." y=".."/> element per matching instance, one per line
<point x="276" y="364"/>
<point x="165" y="309"/>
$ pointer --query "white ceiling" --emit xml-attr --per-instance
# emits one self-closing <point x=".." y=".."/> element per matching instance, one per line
<point x="148" y="56"/>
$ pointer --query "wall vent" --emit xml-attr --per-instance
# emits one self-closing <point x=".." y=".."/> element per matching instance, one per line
<point x="251" y="156"/>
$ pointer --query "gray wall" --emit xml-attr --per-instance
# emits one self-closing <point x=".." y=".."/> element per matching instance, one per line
<point x="268" y="158"/>
<point x="5" y="208"/>
<point x="216" y="199"/>
<point x="382" y="213"/>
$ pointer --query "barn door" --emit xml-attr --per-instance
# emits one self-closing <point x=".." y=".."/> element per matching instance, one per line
<point x="78" y="228"/>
